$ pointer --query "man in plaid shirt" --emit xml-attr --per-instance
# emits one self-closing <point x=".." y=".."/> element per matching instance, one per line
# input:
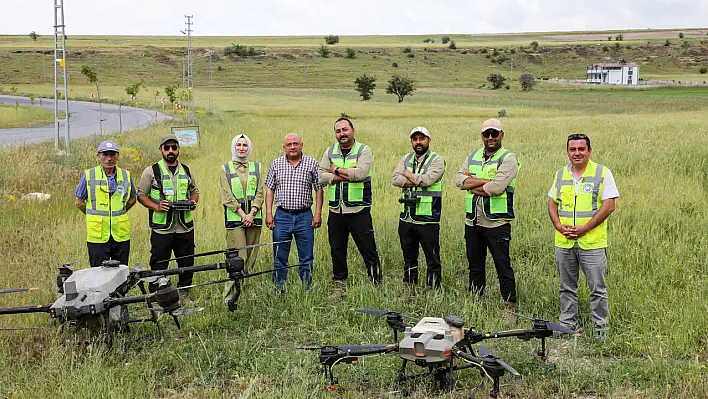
<point x="290" y="181"/>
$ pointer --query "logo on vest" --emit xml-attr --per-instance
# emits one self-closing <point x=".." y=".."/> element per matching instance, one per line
<point x="183" y="187"/>
<point x="587" y="188"/>
<point x="119" y="190"/>
<point x="491" y="172"/>
<point x="252" y="184"/>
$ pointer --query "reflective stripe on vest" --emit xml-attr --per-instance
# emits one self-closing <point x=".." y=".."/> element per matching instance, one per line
<point x="351" y="194"/>
<point x="233" y="219"/>
<point x="429" y="207"/>
<point x="163" y="220"/>
<point x="577" y="209"/>
<point x="106" y="215"/>
<point x="498" y="207"/>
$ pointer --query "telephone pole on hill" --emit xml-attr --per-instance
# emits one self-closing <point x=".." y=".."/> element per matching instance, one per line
<point x="60" y="85"/>
<point x="190" y="71"/>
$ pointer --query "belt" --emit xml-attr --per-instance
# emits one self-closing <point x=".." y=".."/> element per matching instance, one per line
<point x="294" y="211"/>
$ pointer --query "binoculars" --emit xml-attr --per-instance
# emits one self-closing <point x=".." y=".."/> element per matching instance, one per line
<point x="409" y="198"/>
<point x="183" y="205"/>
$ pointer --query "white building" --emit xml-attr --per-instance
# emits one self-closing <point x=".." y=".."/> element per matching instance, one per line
<point x="613" y="74"/>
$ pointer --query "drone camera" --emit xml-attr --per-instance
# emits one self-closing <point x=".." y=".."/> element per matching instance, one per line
<point x="167" y="295"/>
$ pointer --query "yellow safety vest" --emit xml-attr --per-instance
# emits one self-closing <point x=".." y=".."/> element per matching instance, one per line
<point x="106" y="215"/>
<point x="352" y="194"/>
<point x="577" y="209"/>
<point x="429" y="207"/>
<point x="233" y="219"/>
<point x="498" y="207"/>
<point x="163" y="220"/>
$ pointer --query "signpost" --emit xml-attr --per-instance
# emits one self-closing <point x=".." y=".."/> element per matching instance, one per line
<point x="188" y="136"/>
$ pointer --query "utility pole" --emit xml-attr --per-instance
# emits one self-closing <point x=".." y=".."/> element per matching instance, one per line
<point x="184" y="74"/>
<point x="60" y="86"/>
<point x="100" y="104"/>
<point x="190" y="71"/>
<point x="44" y="66"/>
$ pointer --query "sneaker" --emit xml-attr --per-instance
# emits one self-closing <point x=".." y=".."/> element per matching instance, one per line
<point x="600" y="333"/>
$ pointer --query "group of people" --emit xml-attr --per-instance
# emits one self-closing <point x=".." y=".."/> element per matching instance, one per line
<point x="580" y="200"/>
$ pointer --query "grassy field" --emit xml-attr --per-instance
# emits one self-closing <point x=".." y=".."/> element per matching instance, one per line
<point x="657" y="279"/>
<point x="13" y="117"/>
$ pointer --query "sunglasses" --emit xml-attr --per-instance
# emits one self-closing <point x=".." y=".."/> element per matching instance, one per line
<point x="173" y="147"/>
<point x="491" y="133"/>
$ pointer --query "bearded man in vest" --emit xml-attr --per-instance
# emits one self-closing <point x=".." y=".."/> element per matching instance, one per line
<point x="346" y="169"/>
<point x="172" y="229"/>
<point x="420" y="174"/>
<point x="489" y="178"/>
<point x="105" y="194"/>
<point x="581" y="198"/>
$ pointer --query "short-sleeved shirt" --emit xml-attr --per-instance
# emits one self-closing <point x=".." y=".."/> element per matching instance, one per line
<point x="293" y="185"/>
<point x="82" y="191"/>
<point x="147" y="181"/>
<point x="610" y="190"/>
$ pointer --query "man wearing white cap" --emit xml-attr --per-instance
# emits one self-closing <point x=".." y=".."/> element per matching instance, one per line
<point x="105" y="194"/>
<point x="420" y="174"/>
<point x="489" y="178"/>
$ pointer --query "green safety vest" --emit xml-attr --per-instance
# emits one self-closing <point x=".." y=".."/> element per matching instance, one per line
<point x="351" y="194"/>
<point x="164" y="190"/>
<point x="233" y="219"/>
<point x="577" y="209"/>
<point x="429" y="208"/>
<point x="498" y="207"/>
<point x="106" y="215"/>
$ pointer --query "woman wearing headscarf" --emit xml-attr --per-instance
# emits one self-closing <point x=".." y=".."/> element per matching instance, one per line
<point x="242" y="197"/>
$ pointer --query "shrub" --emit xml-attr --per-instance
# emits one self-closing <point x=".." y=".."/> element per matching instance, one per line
<point x="703" y="70"/>
<point x="426" y="40"/>
<point x="331" y="39"/>
<point x="219" y="68"/>
<point x="445" y="39"/>
<point x="452" y="45"/>
<point x="350" y="53"/>
<point x="686" y="44"/>
<point x="667" y="43"/>
<point x="410" y="55"/>
<point x="512" y="51"/>
<point x="605" y="48"/>
<point x="617" y="46"/>
<point x="395" y="65"/>
<point x="619" y="37"/>
<point x="497" y="80"/>
<point x="483" y="51"/>
<point x="495" y="52"/>
<point x="33" y="35"/>
<point x="171" y="93"/>
<point x="527" y="81"/>
<point x="365" y="86"/>
<point x="463" y="52"/>
<point x="681" y="35"/>
<point x="609" y="38"/>
<point x="401" y="86"/>
<point x="237" y="50"/>
<point x="407" y="50"/>
<point x="534" y="45"/>
<point x="501" y="113"/>
<point x="324" y="51"/>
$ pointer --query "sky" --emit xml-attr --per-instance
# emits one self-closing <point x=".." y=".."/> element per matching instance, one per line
<point x="354" y="17"/>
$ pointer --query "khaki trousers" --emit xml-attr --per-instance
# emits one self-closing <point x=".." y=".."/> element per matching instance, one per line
<point x="240" y="237"/>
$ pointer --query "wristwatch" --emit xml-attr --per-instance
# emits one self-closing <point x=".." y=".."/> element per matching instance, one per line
<point x="336" y="171"/>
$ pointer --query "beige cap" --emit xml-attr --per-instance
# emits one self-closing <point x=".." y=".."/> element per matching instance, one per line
<point x="167" y="138"/>
<point x="421" y="130"/>
<point x="492" y="123"/>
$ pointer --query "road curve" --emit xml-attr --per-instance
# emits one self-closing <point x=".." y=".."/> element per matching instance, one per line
<point x="84" y="120"/>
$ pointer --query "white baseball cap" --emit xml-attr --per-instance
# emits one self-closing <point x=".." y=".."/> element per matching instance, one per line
<point x="421" y="130"/>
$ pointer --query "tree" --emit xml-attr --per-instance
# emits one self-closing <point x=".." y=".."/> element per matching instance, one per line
<point x="703" y="70"/>
<point x="324" y="51"/>
<point x="527" y="81"/>
<point x="680" y="35"/>
<point x="686" y="44"/>
<point x="134" y="89"/>
<point x="497" y="80"/>
<point x="365" y="86"/>
<point x="350" y="53"/>
<point x="534" y="45"/>
<point x="401" y="86"/>
<point x="667" y="43"/>
<point x="91" y="75"/>
<point x="34" y="35"/>
<point x="445" y="39"/>
<point x="609" y="38"/>
<point x="452" y="45"/>
<point x="619" y="37"/>
<point x="171" y="93"/>
<point x="331" y="39"/>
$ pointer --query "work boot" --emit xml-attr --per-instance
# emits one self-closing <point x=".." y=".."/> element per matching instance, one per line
<point x="509" y="318"/>
<point x="339" y="290"/>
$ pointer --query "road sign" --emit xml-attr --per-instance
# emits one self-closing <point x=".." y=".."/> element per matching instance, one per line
<point x="178" y="106"/>
<point x="188" y="136"/>
<point x="164" y="100"/>
<point x="132" y="98"/>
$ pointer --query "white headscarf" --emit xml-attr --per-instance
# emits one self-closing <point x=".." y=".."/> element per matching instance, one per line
<point x="235" y="157"/>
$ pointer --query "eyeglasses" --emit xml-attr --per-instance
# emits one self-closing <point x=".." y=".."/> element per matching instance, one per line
<point x="577" y="136"/>
<point x="173" y="147"/>
<point x="491" y="133"/>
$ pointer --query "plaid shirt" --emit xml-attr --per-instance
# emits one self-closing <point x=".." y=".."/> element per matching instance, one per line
<point x="293" y="186"/>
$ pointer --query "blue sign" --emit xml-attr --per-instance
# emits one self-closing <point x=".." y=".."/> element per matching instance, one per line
<point x="188" y="136"/>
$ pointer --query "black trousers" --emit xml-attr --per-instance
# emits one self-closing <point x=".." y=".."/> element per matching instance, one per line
<point x="497" y="239"/>
<point x="428" y="237"/>
<point x="98" y="252"/>
<point x="162" y="247"/>
<point x="360" y="226"/>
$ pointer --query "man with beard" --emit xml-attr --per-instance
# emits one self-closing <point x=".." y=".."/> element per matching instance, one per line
<point x="489" y="178"/>
<point x="420" y="175"/>
<point x="172" y="229"/>
<point x="105" y="194"/>
<point x="346" y="168"/>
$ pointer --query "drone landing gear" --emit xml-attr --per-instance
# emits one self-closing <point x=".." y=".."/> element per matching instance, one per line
<point x="496" y="372"/>
<point x="543" y="354"/>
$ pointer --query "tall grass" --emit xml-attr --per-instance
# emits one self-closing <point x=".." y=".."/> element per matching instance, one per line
<point x="657" y="274"/>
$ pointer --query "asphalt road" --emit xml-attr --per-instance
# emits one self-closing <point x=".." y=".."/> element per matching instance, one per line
<point x="84" y="120"/>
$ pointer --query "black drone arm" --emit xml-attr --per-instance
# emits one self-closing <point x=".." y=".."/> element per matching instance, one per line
<point x="473" y="336"/>
<point x="26" y="309"/>
<point x="171" y="272"/>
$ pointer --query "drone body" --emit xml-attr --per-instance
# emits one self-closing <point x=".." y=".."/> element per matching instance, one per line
<point x="430" y="341"/>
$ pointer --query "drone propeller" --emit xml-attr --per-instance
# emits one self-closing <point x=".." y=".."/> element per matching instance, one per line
<point x="352" y="350"/>
<point x="185" y="311"/>
<point x="221" y="251"/>
<point x="549" y="324"/>
<point x="380" y="313"/>
<point x="11" y="290"/>
<point x="486" y="353"/>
